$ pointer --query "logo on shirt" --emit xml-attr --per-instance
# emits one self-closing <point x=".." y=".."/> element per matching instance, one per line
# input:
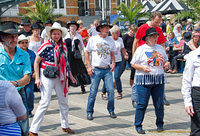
<point x="154" y="58"/>
<point x="103" y="50"/>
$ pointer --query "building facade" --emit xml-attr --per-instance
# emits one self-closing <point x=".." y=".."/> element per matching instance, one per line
<point x="71" y="9"/>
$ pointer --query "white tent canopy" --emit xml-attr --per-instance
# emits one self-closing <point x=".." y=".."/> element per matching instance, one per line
<point x="169" y="6"/>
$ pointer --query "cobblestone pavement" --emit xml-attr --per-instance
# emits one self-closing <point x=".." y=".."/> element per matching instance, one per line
<point x="177" y="122"/>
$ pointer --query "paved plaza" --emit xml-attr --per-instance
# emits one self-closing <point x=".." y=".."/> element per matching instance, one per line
<point x="177" y="122"/>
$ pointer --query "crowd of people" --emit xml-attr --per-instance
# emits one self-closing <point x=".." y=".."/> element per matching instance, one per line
<point x="51" y="56"/>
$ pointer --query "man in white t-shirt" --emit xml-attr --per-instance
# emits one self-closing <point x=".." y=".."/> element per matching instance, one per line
<point x="102" y="49"/>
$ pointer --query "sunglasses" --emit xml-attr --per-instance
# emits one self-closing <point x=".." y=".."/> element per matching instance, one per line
<point x="24" y="42"/>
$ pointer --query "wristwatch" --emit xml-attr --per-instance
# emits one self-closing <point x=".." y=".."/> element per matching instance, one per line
<point x="17" y="83"/>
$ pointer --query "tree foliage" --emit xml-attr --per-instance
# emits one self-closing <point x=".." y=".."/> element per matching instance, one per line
<point x="194" y="12"/>
<point x="130" y="13"/>
<point x="42" y="10"/>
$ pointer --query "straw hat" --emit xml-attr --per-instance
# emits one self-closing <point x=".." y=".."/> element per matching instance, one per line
<point x="56" y="26"/>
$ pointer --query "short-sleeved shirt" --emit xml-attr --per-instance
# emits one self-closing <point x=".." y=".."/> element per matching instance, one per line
<point x="152" y="57"/>
<point x="128" y="42"/>
<point x="101" y="49"/>
<point x="141" y="32"/>
<point x="10" y="108"/>
<point x="119" y="45"/>
<point x="15" y="69"/>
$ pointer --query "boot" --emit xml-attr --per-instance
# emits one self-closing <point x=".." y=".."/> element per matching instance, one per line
<point x="83" y="89"/>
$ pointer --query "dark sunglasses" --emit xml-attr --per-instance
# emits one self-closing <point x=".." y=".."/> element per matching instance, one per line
<point x="24" y="42"/>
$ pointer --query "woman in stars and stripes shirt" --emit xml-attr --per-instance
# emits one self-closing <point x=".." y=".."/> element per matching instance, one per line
<point x="52" y="53"/>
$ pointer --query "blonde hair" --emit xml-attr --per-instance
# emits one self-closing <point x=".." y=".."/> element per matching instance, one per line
<point x="133" y="27"/>
<point x="80" y="22"/>
<point x="114" y="29"/>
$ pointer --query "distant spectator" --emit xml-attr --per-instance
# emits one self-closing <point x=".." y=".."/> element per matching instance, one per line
<point x="177" y="31"/>
<point x="83" y="32"/>
<point x="93" y="31"/>
<point x="190" y="26"/>
<point x="35" y="40"/>
<point x="12" y="110"/>
<point x="163" y="26"/>
<point x="44" y="35"/>
<point x="27" y="28"/>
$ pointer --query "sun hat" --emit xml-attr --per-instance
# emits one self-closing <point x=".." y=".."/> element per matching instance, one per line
<point x="9" y="28"/>
<point x="56" y="26"/>
<point x="72" y="22"/>
<point x="103" y="23"/>
<point x="22" y="37"/>
<point x="148" y="32"/>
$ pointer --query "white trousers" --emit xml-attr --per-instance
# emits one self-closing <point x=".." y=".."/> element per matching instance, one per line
<point x="46" y="91"/>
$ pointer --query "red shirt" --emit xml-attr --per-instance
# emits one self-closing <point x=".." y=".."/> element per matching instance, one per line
<point x="141" y="32"/>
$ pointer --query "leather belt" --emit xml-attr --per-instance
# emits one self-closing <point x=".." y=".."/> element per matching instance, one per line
<point x="103" y="67"/>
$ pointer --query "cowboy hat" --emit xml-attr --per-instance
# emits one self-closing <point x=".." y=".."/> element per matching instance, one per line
<point x="39" y="21"/>
<point x="72" y="23"/>
<point x="56" y="26"/>
<point x="22" y="37"/>
<point x="9" y="28"/>
<point x="26" y="22"/>
<point x="35" y="26"/>
<point x="103" y="23"/>
<point x="148" y="32"/>
<point x="48" y="21"/>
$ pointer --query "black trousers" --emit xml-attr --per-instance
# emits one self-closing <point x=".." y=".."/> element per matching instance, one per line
<point x="123" y="66"/>
<point x="195" y="120"/>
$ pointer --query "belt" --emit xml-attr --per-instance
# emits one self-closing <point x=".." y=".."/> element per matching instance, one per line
<point x="196" y="88"/>
<point x="103" y="67"/>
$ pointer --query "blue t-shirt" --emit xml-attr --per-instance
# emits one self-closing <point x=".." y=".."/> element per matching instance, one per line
<point x="15" y="69"/>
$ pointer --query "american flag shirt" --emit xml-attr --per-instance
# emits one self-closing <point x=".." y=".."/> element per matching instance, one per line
<point x="46" y="52"/>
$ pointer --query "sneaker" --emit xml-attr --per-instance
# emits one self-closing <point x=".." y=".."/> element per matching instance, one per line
<point x="134" y="104"/>
<point x="90" y="117"/>
<point x="30" y="115"/>
<point x="160" y="129"/>
<point x="113" y="115"/>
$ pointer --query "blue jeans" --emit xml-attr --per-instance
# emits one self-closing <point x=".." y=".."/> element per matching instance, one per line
<point x="143" y="93"/>
<point x="24" y="124"/>
<point x="30" y="95"/>
<point x="117" y="78"/>
<point x="134" y="93"/>
<point x="106" y="75"/>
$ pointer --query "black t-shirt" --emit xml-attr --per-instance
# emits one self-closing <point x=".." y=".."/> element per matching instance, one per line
<point x="163" y="26"/>
<point x="128" y="42"/>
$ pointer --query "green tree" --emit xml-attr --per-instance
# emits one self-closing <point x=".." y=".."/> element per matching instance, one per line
<point x="130" y="13"/>
<point x="194" y="12"/>
<point x="42" y="10"/>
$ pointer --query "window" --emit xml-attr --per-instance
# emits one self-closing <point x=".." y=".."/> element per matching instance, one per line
<point x="61" y="3"/>
<point x="54" y="3"/>
<point x="97" y="5"/>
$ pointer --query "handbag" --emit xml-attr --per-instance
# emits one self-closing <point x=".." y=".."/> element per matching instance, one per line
<point x="51" y="71"/>
<point x="77" y="54"/>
